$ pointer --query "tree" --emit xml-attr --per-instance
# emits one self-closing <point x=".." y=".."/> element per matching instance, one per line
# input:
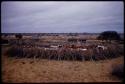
<point x="19" y="37"/>
<point x="72" y="40"/>
<point x="109" y="35"/>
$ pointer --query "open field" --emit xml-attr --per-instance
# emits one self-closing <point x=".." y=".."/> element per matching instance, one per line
<point x="44" y="70"/>
<point x="17" y="67"/>
<point x="62" y="42"/>
<point x="29" y="70"/>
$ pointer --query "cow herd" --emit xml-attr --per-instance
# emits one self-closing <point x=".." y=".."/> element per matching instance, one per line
<point x="63" y="51"/>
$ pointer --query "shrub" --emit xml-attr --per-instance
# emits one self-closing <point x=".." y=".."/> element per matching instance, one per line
<point x="13" y="51"/>
<point x="109" y="35"/>
<point x="118" y="71"/>
<point x="65" y="54"/>
<point x="3" y="41"/>
<point x="18" y="36"/>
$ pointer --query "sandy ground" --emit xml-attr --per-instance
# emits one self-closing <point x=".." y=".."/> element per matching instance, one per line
<point x="26" y="70"/>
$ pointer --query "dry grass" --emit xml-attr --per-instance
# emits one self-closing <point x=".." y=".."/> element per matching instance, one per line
<point x="40" y="70"/>
<point x="65" y="53"/>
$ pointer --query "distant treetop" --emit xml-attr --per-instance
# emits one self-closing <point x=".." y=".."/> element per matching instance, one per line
<point x="109" y="35"/>
<point x="18" y="36"/>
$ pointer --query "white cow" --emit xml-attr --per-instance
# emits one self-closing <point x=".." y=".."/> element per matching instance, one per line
<point x="46" y="48"/>
<point x="83" y="49"/>
<point x="53" y="46"/>
<point x="102" y="47"/>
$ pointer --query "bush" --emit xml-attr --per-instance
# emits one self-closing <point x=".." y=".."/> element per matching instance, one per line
<point x="65" y="54"/>
<point x="14" y="51"/>
<point x="4" y="41"/>
<point x="72" y="40"/>
<point x="109" y="35"/>
<point x="18" y="36"/>
<point x="118" y="71"/>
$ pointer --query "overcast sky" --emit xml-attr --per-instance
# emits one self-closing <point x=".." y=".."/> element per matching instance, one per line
<point x="64" y="17"/>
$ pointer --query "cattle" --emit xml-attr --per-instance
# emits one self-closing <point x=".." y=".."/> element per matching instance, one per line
<point x="46" y="48"/>
<point x="83" y="49"/>
<point x="60" y="46"/>
<point x="52" y="46"/>
<point x="101" y="47"/>
<point x="82" y="40"/>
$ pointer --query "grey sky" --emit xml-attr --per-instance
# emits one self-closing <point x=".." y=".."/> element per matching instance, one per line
<point x="56" y="17"/>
